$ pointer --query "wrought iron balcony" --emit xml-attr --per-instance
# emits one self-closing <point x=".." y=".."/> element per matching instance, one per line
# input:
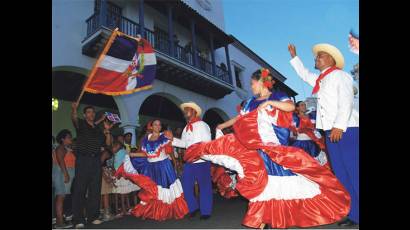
<point x="98" y="33"/>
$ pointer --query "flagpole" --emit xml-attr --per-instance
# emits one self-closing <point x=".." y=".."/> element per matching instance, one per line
<point x="138" y="38"/>
<point x="94" y="69"/>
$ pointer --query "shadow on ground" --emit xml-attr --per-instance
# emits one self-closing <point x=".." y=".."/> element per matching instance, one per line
<point x="227" y="213"/>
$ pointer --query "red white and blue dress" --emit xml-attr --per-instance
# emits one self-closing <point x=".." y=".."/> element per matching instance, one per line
<point x="285" y="186"/>
<point x="224" y="179"/>
<point x="308" y="138"/>
<point x="161" y="192"/>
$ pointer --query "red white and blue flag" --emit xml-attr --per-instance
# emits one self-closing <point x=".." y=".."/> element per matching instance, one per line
<point x="354" y="43"/>
<point x="113" y="117"/>
<point x="125" y="66"/>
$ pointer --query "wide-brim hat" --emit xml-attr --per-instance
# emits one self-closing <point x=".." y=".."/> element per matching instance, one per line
<point x="332" y="51"/>
<point x="192" y="105"/>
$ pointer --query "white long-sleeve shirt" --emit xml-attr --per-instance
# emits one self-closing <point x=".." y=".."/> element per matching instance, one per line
<point x="334" y="99"/>
<point x="201" y="132"/>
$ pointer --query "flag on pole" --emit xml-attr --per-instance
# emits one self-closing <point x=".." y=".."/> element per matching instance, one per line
<point x="354" y="43"/>
<point x="125" y="66"/>
<point x="113" y="117"/>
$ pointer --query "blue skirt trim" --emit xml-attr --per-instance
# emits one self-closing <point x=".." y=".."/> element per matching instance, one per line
<point x="272" y="168"/>
<point x="309" y="146"/>
<point x="161" y="172"/>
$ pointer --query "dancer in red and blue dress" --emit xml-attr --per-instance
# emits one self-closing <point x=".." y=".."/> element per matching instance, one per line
<point x="285" y="186"/>
<point x="151" y="169"/>
<point x="306" y="136"/>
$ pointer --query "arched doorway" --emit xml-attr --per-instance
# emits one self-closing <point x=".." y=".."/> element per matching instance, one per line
<point x="161" y="106"/>
<point x="213" y="117"/>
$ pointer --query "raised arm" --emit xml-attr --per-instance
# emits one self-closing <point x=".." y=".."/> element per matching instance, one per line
<point x="300" y="69"/>
<point x="74" y="115"/>
<point x="107" y="133"/>
<point x="101" y="119"/>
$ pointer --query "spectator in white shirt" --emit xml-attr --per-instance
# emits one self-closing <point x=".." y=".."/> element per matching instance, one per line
<point x="337" y="116"/>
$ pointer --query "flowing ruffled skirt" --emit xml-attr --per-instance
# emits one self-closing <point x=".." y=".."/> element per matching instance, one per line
<point x="285" y="186"/>
<point x="161" y="192"/>
<point x="313" y="149"/>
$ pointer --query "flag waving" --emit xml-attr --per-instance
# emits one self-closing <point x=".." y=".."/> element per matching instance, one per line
<point x="125" y="66"/>
<point x="113" y="117"/>
<point x="354" y="43"/>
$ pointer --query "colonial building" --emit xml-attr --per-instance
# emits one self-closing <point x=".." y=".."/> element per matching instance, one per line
<point x="197" y="60"/>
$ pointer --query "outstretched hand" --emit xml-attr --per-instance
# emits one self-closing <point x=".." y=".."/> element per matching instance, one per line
<point x="103" y="116"/>
<point x="292" y="50"/>
<point x="168" y="134"/>
<point x="108" y="125"/>
<point x="74" y="106"/>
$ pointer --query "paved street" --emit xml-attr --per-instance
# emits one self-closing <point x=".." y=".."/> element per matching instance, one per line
<point x="226" y="214"/>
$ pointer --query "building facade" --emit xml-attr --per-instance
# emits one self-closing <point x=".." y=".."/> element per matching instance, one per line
<point x="196" y="59"/>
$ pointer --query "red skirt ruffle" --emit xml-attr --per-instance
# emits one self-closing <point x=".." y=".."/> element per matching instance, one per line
<point x="223" y="181"/>
<point x="150" y="206"/>
<point x="158" y="210"/>
<point x="331" y="205"/>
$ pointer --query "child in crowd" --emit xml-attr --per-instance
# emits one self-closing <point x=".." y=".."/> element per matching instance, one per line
<point x="123" y="186"/>
<point x="107" y="183"/>
<point x="63" y="173"/>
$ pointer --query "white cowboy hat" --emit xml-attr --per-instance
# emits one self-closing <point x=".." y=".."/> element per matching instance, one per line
<point x="332" y="51"/>
<point x="192" y="105"/>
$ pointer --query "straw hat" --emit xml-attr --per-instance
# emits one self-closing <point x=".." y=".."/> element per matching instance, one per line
<point x="192" y="105"/>
<point x="332" y="51"/>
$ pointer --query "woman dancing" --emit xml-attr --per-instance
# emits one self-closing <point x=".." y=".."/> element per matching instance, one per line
<point x="151" y="169"/>
<point x="285" y="186"/>
<point x="305" y="134"/>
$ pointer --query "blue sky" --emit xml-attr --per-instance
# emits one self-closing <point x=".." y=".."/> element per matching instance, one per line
<point x="267" y="26"/>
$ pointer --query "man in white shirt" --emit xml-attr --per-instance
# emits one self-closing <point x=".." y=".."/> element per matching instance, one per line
<point x="337" y="116"/>
<point x="194" y="132"/>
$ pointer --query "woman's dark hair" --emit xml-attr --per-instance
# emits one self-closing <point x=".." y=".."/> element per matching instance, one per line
<point x="62" y="135"/>
<point x="53" y="139"/>
<point x="256" y="75"/>
<point x="298" y="103"/>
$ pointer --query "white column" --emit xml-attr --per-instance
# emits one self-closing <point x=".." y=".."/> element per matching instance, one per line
<point x="129" y="127"/>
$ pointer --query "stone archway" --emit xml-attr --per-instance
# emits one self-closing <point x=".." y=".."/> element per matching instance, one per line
<point x="213" y="117"/>
<point x="67" y="82"/>
<point x="161" y="106"/>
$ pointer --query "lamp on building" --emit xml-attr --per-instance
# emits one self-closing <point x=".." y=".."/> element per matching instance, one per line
<point x="54" y="104"/>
